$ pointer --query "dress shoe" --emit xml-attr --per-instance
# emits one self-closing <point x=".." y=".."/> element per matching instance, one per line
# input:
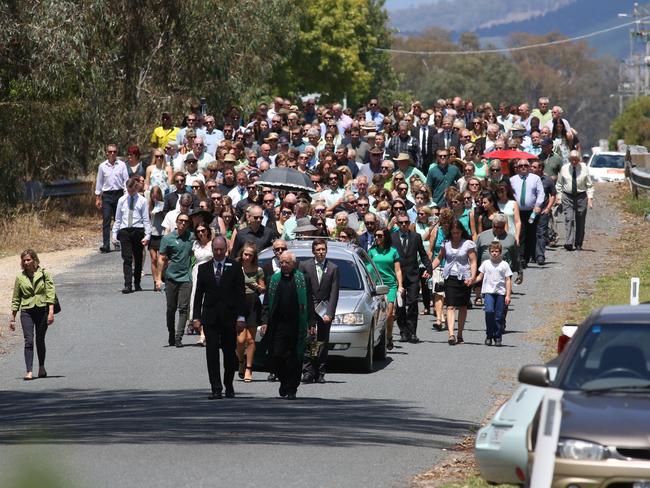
<point x="42" y="373"/>
<point x="104" y="249"/>
<point x="541" y="262"/>
<point x="215" y="395"/>
<point x="178" y="343"/>
<point x="230" y="393"/>
<point x="497" y="342"/>
<point x="568" y="247"/>
<point x="291" y="396"/>
<point x="579" y="248"/>
<point x="488" y="341"/>
<point x="307" y="378"/>
<point x="137" y="288"/>
<point x="414" y="339"/>
<point x="321" y="379"/>
<point x="271" y="377"/>
<point x="127" y="289"/>
<point x="404" y="338"/>
<point x="460" y="340"/>
<point x="282" y="392"/>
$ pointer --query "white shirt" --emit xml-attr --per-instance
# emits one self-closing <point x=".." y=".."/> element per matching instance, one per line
<point x="111" y="177"/>
<point x="236" y="196"/>
<point x="169" y="222"/>
<point x="191" y="178"/>
<point x="494" y="276"/>
<point x="140" y="216"/>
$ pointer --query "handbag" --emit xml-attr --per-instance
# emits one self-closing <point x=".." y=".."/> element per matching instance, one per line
<point x="57" y="304"/>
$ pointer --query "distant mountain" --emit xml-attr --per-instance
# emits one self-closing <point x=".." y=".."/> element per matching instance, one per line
<point x="494" y="20"/>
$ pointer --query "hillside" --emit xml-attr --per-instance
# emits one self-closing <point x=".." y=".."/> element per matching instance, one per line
<point x="494" y="20"/>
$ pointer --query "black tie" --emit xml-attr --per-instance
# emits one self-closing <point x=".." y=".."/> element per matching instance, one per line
<point x="574" y="181"/>
<point x="217" y="274"/>
<point x="405" y="241"/>
<point x="424" y="141"/>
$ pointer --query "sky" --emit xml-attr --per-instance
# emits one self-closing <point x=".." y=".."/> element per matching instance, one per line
<point x="398" y="4"/>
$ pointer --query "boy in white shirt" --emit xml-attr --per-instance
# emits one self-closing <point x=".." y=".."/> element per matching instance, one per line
<point x="496" y="289"/>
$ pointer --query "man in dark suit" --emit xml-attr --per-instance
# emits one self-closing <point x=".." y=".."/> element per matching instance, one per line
<point x="424" y="134"/>
<point x="220" y="306"/>
<point x="448" y="137"/>
<point x="409" y="246"/>
<point x="171" y="199"/>
<point x="367" y="239"/>
<point x="324" y="277"/>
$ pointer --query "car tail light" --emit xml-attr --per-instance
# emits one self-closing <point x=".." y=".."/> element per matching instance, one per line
<point x="562" y="341"/>
<point x="521" y="476"/>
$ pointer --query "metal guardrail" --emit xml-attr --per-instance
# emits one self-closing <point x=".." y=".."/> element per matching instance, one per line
<point x="36" y="191"/>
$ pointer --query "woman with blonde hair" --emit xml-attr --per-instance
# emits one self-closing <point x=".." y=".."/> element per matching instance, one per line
<point x="34" y="296"/>
<point x="255" y="286"/>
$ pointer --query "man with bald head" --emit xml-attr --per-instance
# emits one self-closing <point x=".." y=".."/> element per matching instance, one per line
<point x="254" y="232"/>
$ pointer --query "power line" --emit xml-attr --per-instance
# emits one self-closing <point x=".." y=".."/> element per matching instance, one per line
<point x="516" y="48"/>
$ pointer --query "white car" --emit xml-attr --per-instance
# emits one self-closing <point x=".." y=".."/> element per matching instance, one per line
<point x="607" y="166"/>
<point x="503" y="446"/>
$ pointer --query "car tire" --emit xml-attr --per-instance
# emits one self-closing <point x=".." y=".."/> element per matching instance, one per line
<point x="380" y="349"/>
<point x="366" y="363"/>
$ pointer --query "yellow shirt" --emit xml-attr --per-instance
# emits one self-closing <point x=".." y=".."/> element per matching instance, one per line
<point x="160" y="137"/>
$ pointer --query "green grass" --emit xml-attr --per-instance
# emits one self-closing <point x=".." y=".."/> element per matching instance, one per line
<point x="637" y="206"/>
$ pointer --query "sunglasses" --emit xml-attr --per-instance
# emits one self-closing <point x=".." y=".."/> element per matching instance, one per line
<point x="319" y="210"/>
<point x="182" y="221"/>
<point x="404" y="222"/>
<point x="157" y="156"/>
<point x="257" y="217"/>
<point x="398" y="208"/>
<point x="286" y="212"/>
<point x="201" y="231"/>
<point x="277" y="249"/>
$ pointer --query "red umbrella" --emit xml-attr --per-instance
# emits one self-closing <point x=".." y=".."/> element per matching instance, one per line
<point x="509" y="154"/>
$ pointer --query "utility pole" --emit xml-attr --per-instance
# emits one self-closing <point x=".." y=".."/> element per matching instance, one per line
<point x="634" y="75"/>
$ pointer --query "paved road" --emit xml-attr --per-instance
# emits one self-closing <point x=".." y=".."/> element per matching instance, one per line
<point x="121" y="409"/>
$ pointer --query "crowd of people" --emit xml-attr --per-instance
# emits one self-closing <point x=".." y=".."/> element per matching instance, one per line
<point x="422" y="191"/>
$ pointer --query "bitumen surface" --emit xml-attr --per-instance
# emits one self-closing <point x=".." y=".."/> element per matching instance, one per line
<point x="120" y="408"/>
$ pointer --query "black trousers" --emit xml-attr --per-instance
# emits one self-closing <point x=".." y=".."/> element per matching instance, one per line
<point x="224" y="337"/>
<point x="542" y="236"/>
<point x="109" y="207"/>
<point x="528" y="237"/>
<point x="407" y="316"/>
<point x="131" y="248"/>
<point x="34" y="320"/>
<point x="285" y="364"/>
<point x="317" y="366"/>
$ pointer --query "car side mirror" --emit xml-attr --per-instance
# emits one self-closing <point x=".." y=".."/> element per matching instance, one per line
<point x="535" y="375"/>
<point x="381" y="290"/>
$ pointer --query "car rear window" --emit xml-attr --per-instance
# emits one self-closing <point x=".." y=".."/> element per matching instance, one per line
<point x="615" y="352"/>
<point x="608" y="161"/>
<point x="349" y="278"/>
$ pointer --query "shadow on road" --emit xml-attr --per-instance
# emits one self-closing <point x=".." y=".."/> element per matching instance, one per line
<point x="73" y="416"/>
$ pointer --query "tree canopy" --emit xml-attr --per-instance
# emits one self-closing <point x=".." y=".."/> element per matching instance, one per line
<point x="633" y="125"/>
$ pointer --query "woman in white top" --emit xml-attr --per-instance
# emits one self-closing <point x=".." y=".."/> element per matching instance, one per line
<point x="459" y="273"/>
<point x="202" y="250"/>
<point x="509" y="207"/>
<point x="159" y="173"/>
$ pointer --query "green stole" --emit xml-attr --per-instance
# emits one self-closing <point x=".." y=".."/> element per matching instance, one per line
<point x="301" y="292"/>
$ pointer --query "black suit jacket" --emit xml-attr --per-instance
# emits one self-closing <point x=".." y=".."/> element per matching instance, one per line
<point x="363" y="241"/>
<point x="409" y="256"/>
<point x="439" y="141"/>
<point x="219" y="305"/>
<point x="171" y="200"/>
<point x="426" y="156"/>
<point x="328" y="289"/>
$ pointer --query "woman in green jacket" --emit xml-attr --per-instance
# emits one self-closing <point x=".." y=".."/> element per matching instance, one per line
<point x="34" y="297"/>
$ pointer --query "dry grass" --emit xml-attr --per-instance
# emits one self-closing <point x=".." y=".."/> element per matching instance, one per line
<point x="54" y="225"/>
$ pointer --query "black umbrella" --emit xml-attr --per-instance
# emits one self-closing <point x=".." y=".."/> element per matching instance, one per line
<point x="286" y="179"/>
